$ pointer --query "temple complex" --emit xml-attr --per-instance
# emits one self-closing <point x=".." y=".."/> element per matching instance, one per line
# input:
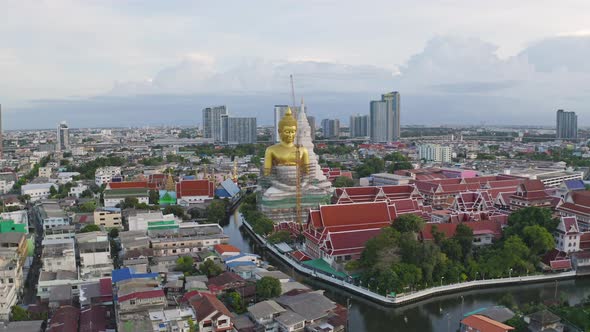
<point x="278" y="197"/>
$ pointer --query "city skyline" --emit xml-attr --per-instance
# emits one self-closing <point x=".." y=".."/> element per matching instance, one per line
<point x="447" y="73"/>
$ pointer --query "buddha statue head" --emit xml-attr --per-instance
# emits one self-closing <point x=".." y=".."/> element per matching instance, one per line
<point x="288" y="127"/>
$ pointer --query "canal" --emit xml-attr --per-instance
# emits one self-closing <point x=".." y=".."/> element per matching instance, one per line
<point x="433" y="315"/>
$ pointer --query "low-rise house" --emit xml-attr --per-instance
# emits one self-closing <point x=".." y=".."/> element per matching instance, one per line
<point x="250" y="258"/>
<point x="23" y="326"/>
<point x="312" y="306"/>
<point x="544" y="320"/>
<point x="479" y="323"/>
<point x="49" y="280"/>
<point x="142" y="300"/>
<point x="226" y="250"/>
<point x="65" y="319"/>
<point x="484" y="232"/>
<point x="226" y="281"/>
<point x="189" y="238"/>
<point x="212" y="315"/>
<point x="19" y="217"/>
<point x="65" y="177"/>
<point x="96" y="293"/>
<point x="8" y="298"/>
<point x="77" y="190"/>
<point x="264" y="314"/>
<point x="290" y="322"/>
<point x="172" y="319"/>
<point x="152" y="221"/>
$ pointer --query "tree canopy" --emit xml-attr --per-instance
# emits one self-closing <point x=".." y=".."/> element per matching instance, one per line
<point x="90" y="228"/>
<point x="343" y="181"/>
<point x="268" y="287"/>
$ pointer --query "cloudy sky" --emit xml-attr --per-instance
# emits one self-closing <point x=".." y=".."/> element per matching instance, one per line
<point x="143" y="62"/>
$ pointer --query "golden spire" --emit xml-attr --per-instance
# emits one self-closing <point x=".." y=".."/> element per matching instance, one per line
<point x="170" y="182"/>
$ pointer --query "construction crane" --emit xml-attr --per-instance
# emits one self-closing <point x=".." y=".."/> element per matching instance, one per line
<point x="297" y="167"/>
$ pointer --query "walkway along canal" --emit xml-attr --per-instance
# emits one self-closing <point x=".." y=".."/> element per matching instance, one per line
<point x="439" y="313"/>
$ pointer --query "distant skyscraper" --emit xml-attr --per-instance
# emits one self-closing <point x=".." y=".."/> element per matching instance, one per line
<point x="236" y="130"/>
<point x="1" y="135"/>
<point x="331" y="128"/>
<point x="212" y="122"/>
<point x="359" y="125"/>
<point x="385" y="118"/>
<point x="63" y="137"/>
<point x="567" y="125"/>
<point x="279" y="112"/>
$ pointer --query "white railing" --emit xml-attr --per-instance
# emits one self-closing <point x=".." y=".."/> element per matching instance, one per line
<point x="407" y="297"/>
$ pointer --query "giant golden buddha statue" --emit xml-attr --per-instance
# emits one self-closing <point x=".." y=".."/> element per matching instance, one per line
<point x="285" y="152"/>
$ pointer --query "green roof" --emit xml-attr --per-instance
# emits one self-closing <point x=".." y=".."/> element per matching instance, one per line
<point x="322" y="265"/>
<point x="7" y="225"/>
<point x="165" y="224"/>
<point x="128" y="192"/>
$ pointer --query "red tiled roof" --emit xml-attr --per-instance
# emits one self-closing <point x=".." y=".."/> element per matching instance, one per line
<point x="223" y="248"/>
<point x="485" y="324"/>
<point x="106" y="287"/>
<point x="300" y="256"/>
<point x="224" y="279"/>
<point x="207" y="304"/>
<point x="561" y="264"/>
<point x="478" y="227"/>
<point x="351" y="240"/>
<point x="354" y="214"/>
<point x="65" y="319"/>
<point x="143" y="295"/>
<point x="94" y="319"/>
<point x="581" y="198"/>
<point x="575" y="208"/>
<point x="480" y="179"/>
<point x="533" y="185"/>
<point x="194" y="188"/>
<point x="585" y="241"/>
<point x="128" y="185"/>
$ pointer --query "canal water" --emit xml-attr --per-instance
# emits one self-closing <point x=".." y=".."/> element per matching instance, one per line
<point x="433" y="315"/>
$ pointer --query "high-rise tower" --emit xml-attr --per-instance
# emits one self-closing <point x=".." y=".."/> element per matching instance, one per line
<point x="567" y="125"/>
<point x="63" y="137"/>
<point x="212" y="122"/>
<point x="385" y="118"/>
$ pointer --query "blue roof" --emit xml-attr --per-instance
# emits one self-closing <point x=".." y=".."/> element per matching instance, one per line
<point x="129" y="273"/>
<point x="222" y="193"/>
<point x="189" y="177"/>
<point x="240" y="256"/>
<point x="230" y="187"/>
<point x="231" y="265"/>
<point x="574" y="184"/>
<point x="171" y="193"/>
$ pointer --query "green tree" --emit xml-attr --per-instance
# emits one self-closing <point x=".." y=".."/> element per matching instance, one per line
<point x="268" y="287"/>
<point x="263" y="226"/>
<point x="210" y="269"/>
<point x="538" y="239"/>
<point x="154" y="197"/>
<point x="216" y="211"/>
<point x="452" y="249"/>
<point x="529" y="216"/>
<point x="89" y="206"/>
<point x="87" y="194"/>
<point x="90" y="228"/>
<point x="52" y="191"/>
<point x="18" y="313"/>
<point x="408" y="223"/>
<point x="176" y="210"/>
<point x="235" y="301"/>
<point x="464" y="236"/>
<point x="370" y="166"/>
<point x="185" y="264"/>
<point x="114" y="233"/>
<point x="343" y="181"/>
<point x="129" y="202"/>
<point x="280" y="236"/>
<point x="192" y="327"/>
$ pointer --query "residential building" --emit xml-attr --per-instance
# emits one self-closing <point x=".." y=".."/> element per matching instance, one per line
<point x="108" y="218"/>
<point x="52" y="215"/>
<point x="226" y="250"/>
<point x="45" y="172"/>
<point x="176" y="320"/>
<point x="77" y="190"/>
<point x="435" y="152"/>
<point x="63" y="137"/>
<point x="212" y="122"/>
<point x="567" y="125"/>
<point x="331" y="128"/>
<point x="186" y="239"/>
<point x="37" y="191"/>
<point x="385" y="118"/>
<point x="212" y="315"/>
<point x="19" y="217"/>
<point x="359" y="125"/>
<point x="104" y="175"/>
<point x="95" y="254"/>
<point x="544" y="320"/>
<point x="313" y="306"/>
<point x="7" y="179"/>
<point x="236" y="130"/>
<point x="51" y="283"/>
<point x="290" y="321"/>
<point x="264" y="314"/>
<point x="59" y="255"/>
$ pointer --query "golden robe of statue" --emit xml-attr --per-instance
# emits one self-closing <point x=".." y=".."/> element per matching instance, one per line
<point x="285" y="152"/>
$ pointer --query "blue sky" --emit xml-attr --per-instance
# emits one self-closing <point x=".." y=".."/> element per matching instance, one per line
<point x="128" y="63"/>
